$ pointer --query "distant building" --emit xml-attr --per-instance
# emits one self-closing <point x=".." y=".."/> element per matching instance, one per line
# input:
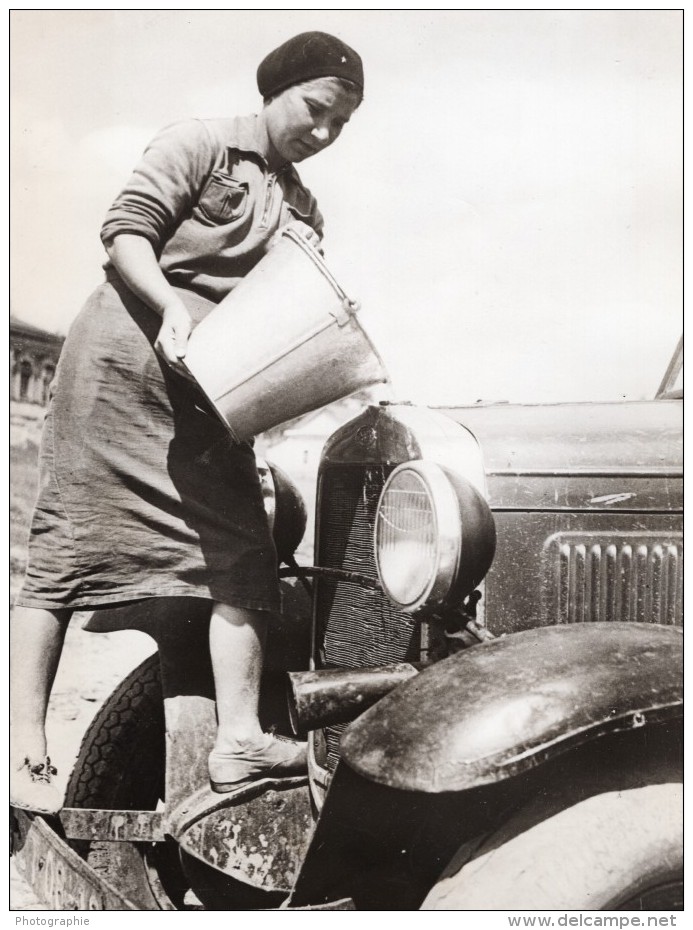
<point x="34" y="355"/>
<point x="296" y="446"/>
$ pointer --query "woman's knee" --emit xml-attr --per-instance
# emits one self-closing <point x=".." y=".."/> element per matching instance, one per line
<point x="240" y="616"/>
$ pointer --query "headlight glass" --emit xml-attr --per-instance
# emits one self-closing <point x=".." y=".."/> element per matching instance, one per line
<point x="406" y="535"/>
<point x="417" y="536"/>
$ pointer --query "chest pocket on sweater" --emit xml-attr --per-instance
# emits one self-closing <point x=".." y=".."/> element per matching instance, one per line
<point x="222" y="201"/>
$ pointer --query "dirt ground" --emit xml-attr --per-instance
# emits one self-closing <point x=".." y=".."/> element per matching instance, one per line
<point x="91" y="666"/>
<point x="92" y="663"/>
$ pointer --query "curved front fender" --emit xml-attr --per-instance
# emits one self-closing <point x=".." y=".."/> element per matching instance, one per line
<point x="498" y="709"/>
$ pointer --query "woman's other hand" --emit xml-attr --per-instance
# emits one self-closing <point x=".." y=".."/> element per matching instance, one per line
<point x="303" y="229"/>
<point x="172" y="342"/>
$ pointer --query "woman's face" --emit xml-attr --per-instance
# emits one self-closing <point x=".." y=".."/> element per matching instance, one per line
<point x="306" y="118"/>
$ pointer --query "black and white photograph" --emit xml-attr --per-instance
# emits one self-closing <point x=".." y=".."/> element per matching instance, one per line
<point x="346" y="463"/>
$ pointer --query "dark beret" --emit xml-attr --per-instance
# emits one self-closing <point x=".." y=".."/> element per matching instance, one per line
<point x="307" y="56"/>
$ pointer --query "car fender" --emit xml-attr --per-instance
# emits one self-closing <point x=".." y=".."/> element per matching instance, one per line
<point x="499" y="709"/>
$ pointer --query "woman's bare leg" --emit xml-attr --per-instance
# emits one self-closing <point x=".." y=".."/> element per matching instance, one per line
<point x="242" y="752"/>
<point x="237" y="642"/>
<point x="36" y="642"/>
<point x="37" y="638"/>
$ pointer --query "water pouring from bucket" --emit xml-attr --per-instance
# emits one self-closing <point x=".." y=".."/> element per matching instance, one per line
<point x="284" y="342"/>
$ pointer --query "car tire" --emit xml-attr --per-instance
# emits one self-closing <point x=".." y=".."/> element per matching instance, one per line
<point x="621" y="849"/>
<point x="121" y="766"/>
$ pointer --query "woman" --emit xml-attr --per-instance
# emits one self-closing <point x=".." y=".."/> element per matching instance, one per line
<point x="141" y="494"/>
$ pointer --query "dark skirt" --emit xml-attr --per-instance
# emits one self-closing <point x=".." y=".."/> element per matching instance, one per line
<point x="142" y="493"/>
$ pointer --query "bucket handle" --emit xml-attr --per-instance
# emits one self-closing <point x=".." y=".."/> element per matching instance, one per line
<point x="349" y="307"/>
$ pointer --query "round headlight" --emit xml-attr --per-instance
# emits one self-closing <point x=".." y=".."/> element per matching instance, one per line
<point x="434" y="537"/>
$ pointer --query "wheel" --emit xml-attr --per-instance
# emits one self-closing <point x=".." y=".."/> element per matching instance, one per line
<point x="620" y="849"/>
<point x="121" y="766"/>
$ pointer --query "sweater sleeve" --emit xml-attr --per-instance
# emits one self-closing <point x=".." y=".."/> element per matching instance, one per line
<point x="164" y="186"/>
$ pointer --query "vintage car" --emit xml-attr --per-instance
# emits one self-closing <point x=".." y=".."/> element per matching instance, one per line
<point x="488" y="669"/>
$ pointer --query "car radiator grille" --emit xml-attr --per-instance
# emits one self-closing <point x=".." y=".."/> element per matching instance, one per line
<point x="356" y="626"/>
<point x="635" y="579"/>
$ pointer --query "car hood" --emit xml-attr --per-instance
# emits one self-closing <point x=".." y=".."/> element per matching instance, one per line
<point x="613" y="438"/>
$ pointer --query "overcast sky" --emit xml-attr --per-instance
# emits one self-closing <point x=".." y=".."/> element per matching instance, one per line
<point x="506" y="203"/>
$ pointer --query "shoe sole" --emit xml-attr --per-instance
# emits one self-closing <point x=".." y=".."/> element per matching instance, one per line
<point x="224" y="787"/>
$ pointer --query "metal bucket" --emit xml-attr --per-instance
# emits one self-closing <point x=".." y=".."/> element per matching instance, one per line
<point x="284" y="342"/>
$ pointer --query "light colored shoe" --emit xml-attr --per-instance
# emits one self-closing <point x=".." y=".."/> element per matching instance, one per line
<point x="275" y="758"/>
<point x="32" y="789"/>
